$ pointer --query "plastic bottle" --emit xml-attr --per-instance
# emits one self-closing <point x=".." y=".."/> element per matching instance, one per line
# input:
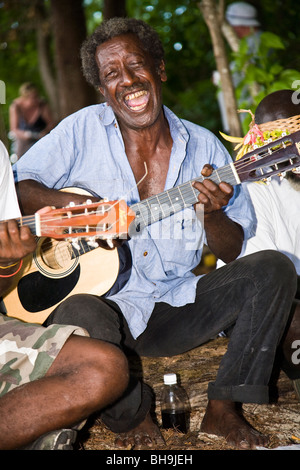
<point x="175" y="407"/>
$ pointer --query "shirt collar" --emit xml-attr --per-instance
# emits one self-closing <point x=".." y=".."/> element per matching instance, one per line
<point x="177" y="127"/>
<point x="107" y="115"/>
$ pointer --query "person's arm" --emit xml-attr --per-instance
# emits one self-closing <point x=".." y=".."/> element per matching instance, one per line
<point x="15" y="244"/>
<point x="224" y="236"/>
<point x="33" y="196"/>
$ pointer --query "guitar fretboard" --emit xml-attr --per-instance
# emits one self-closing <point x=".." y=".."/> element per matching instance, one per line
<point x="29" y="221"/>
<point x="173" y="200"/>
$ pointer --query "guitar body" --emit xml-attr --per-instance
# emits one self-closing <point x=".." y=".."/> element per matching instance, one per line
<point x="35" y="292"/>
<point x="51" y="274"/>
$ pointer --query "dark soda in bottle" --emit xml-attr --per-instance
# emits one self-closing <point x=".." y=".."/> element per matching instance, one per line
<point x="174" y="405"/>
<point x="174" y="419"/>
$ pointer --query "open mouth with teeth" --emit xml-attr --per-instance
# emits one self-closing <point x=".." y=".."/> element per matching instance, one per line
<point x="138" y="100"/>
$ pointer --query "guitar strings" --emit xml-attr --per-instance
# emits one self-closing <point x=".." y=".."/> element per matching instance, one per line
<point x="183" y="190"/>
<point x="29" y="218"/>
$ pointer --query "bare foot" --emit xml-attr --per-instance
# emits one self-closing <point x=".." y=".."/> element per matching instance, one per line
<point x="223" y="419"/>
<point x="145" y="434"/>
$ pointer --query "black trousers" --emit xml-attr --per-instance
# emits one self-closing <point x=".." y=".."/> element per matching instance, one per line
<point x="254" y="294"/>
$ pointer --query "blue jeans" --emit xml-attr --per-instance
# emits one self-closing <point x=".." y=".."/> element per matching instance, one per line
<point x="253" y="293"/>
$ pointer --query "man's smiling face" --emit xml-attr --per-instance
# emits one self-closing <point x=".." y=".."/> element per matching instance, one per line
<point x="130" y="82"/>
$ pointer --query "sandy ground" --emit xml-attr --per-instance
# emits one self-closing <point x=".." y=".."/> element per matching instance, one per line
<point x="280" y="420"/>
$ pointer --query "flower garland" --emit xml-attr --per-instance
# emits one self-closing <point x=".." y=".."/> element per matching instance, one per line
<point x="254" y="138"/>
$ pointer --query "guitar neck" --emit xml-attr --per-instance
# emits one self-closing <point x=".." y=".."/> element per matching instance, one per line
<point x="173" y="200"/>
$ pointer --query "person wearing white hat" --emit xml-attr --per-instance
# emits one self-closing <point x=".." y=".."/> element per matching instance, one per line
<point x="242" y="14"/>
<point x="243" y="18"/>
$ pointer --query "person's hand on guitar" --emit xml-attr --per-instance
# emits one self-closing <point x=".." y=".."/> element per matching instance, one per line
<point x="211" y="195"/>
<point x="16" y="242"/>
<point x="214" y="198"/>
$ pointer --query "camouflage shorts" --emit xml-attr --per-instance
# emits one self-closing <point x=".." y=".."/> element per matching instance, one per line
<point x="27" y="350"/>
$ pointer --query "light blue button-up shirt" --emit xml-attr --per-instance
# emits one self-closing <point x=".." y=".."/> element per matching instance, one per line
<point x="86" y="150"/>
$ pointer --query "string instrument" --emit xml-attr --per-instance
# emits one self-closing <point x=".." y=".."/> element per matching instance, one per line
<point x="72" y="262"/>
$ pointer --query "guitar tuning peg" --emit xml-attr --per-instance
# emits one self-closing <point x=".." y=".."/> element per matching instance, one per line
<point x="110" y="243"/>
<point x="267" y="180"/>
<point x="296" y="170"/>
<point x="92" y="242"/>
<point x="88" y="201"/>
<point x="75" y="243"/>
<point x="282" y="175"/>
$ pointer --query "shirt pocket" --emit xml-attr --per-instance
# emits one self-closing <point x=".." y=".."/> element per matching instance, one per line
<point x="181" y="236"/>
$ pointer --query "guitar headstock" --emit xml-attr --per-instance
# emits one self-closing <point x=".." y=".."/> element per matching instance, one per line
<point x="274" y="158"/>
<point x="100" y="220"/>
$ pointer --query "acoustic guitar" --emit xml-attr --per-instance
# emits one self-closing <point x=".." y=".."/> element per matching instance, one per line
<point x="74" y="263"/>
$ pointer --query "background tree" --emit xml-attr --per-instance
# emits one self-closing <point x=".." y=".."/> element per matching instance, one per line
<point x="73" y="90"/>
<point x="114" y="8"/>
<point x="214" y="18"/>
<point x="40" y="40"/>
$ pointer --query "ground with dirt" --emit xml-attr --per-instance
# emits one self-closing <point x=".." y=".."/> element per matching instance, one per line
<point x="281" y="420"/>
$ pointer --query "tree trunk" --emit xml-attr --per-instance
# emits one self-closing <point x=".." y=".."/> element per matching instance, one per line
<point x="227" y="30"/>
<point x="114" y="8"/>
<point x="230" y="36"/>
<point x="69" y="33"/>
<point x="211" y="17"/>
<point x="43" y="36"/>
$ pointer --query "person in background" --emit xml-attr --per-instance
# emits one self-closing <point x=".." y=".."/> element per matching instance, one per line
<point x="30" y="119"/>
<point x="163" y="309"/>
<point x="51" y="379"/>
<point x="243" y="18"/>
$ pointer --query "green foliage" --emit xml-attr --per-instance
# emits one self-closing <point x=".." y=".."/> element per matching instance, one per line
<point x="189" y="90"/>
<point x="93" y="14"/>
<point x="261" y="71"/>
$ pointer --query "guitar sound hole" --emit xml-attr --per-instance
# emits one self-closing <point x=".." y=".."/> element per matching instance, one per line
<point x="56" y="254"/>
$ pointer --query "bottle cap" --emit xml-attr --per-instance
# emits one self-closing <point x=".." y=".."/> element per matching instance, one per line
<point x="170" y="379"/>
